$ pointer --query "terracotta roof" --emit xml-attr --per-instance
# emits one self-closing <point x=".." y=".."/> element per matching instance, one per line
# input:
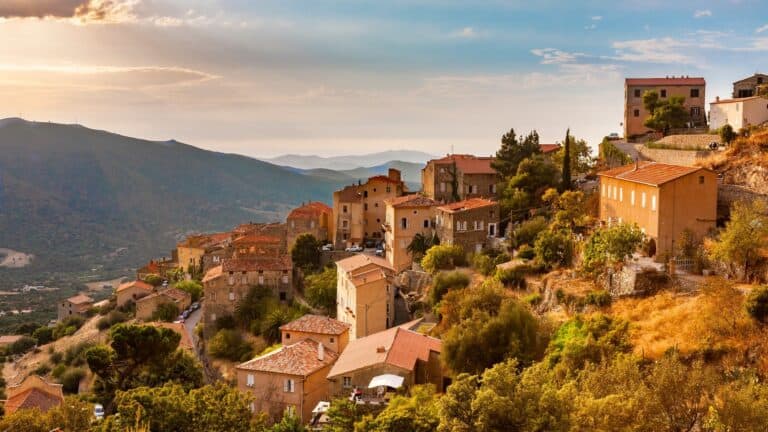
<point x="213" y="273"/>
<point x="361" y="260"/>
<point x="468" y="164"/>
<point x="9" y="339"/>
<point x="470" y="204"/>
<point x="398" y="346"/>
<point x="203" y="241"/>
<point x="80" y="299"/>
<point x="723" y="101"/>
<point x="665" y="81"/>
<point x="31" y="398"/>
<point x="650" y="173"/>
<point x="299" y="359"/>
<point x="316" y="324"/>
<point x="172" y="293"/>
<point x="267" y="228"/>
<point x="310" y="210"/>
<point x="385" y="179"/>
<point x="137" y="283"/>
<point x="549" y="148"/>
<point x="414" y="200"/>
<point x="349" y="194"/>
<point x="151" y="267"/>
<point x="257" y="263"/>
<point x="256" y="238"/>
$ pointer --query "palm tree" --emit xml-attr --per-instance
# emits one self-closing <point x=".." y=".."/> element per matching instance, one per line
<point x="421" y="244"/>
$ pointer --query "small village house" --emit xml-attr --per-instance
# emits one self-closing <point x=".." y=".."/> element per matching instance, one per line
<point x="739" y="113"/>
<point x="257" y="244"/>
<point x="359" y="210"/>
<point x="663" y="200"/>
<point x="471" y="176"/>
<point x="313" y="218"/>
<point x="749" y="86"/>
<point x="159" y="267"/>
<point x="190" y="252"/>
<point x="76" y="305"/>
<point x="399" y="351"/>
<point x="468" y="223"/>
<point x="406" y="216"/>
<point x="332" y="333"/>
<point x="635" y="114"/>
<point x="132" y="291"/>
<point x="33" y="392"/>
<point x="147" y="305"/>
<point x="291" y="377"/>
<point x="365" y="295"/>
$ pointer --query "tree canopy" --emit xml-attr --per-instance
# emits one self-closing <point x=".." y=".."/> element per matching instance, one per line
<point x="306" y="252"/>
<point x="515" y="149"/>
<point x="665" y="113"/>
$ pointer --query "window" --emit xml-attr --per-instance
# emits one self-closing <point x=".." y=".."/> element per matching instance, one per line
<point x="332" y="340"/>
<point x="344" y="209"/>
<point x="615" y="195"/>
<point x="231" y="296"/>
<point x="663" y="93"/>
<point x="404" y="223"/>
<point x="283" y="296"/>
<point x="694" y="93"/>
<point x="376" y="205"/>
<point x="442" y="186"/>
<point x="346" y="381"/>
<point x="636" y="113"/>
<point x="637" y="93"/>
<point x="482" y="225"/>
<point x="213" y="317"/>
<point x="312" y="224"/>
<point x="365" y="206"/>
<point x="261" y="279"/>
<point x="603" y="193"/>
<point x="632" y="197"/>
<point x="621" y="194"/>
<point x="701" y="179"/>
<point x="759" y="80"/>
<point x="249" y="380"/>
<point x="285" y="278"/>
<point x="653" y="203"/>
<point x="642" y="200"/>
<point x="695" y="111"/>
<point x="442" y="170"/>
<point x="345" y="224"/>
<point x="426" y="223"/>
<point x="365" y="194"/>
<point x="475" y="225"/>
<point x="289" y="386"/>
<point x="389" y="189"/>
<point x="287" y="335"/>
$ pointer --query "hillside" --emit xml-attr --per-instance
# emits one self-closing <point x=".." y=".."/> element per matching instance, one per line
<point x="352" y="162"/>
<point x="80" y="199"/>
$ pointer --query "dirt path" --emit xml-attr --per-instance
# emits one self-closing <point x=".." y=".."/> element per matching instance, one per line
<point x="14" y="259"/>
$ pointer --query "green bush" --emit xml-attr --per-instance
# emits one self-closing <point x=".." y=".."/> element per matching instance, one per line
<point x="757" y="304"/>
<point x="114" y="317"/>
<point x="229" y="344"/>
<point x="42" y="369"/>
<point x="193" y="287"/>
<point x="166" y="312"/>
<point x="22" y="345"/>
<point x="529" y="230"/>
<point x="443" y="257"/>
<point x="70" y="380"/>
<point x="447" y="281"/>
<point x="534" y="299"/>
<point x="554" y="248"/>
<point x="526" y="252"/>
<point x="598" y="298"/>
<point x="43" y="335"/>
<point x="59" y="370"/>
<point x="56" y="357"/>
<point x="225" y="322"/>
<point x="483" y="264"/>
<point x="75" y="354"/>
<point x="513" y="277"/>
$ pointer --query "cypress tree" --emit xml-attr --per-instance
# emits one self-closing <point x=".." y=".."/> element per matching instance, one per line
<point x="567" y="162"/>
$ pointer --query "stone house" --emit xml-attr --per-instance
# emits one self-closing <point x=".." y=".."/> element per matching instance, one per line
<point x="471" y="175"/>
<point x="33" y="392"/>
<point x="332" y="333"/>
<point x="663" y="200"/>
<point x="147" y="305"/>
<point x="635" y="114"/>
<point x="159" y="267"/>
<point x="748" y="87"/>
<point x="399" y="351"/>
<point x="313" y="218"/>
<point x="132" y="291"/>
<point x="365" y="295"/>
<point x="406" y="216"/>
<point x="190" y="252"/>
<point x="739" y="113"/>
<point x="77" y="305"/>
<point x="468" y="223"/>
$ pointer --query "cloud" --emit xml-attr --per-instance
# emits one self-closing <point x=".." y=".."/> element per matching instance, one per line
<point x="555" y="56"/>
<point x="590" y="27"/>
<point x="702" y="13"/>
<point x="662" y="50"/>
<point x="597" y="18"/>
<point x="466" y="33"/>
<point x="761" y="29"/>
<point x="81" y="11"/>
<point x="100" y="77"/>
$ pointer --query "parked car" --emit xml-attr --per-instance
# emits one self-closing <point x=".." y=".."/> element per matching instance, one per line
<point x="613" y="136"/>
<point x="180" y="319"/>
<point x="354" y="248"/>
<point x="185" y="314"/>
<point x="328" y="247"/>
<point x="195" y="306"/>
<point x="380" y="252"/>
<point x="98" y="411"/>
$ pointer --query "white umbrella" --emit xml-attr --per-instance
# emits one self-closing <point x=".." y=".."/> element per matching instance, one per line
<point x="387" y="380"/>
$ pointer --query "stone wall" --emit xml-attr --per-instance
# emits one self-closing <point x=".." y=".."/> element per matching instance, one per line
<point x="672" y="157"/>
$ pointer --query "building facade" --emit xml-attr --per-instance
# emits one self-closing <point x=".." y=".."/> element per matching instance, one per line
<point x="313" y="218"/>
<point x="469" y="223"/>
<point x="190" y="252"/>
<point x="748" y="87"/>
<point x="739" y="113"/>
<point x="458" y="177"/>
<point x="147" y="306"/>
<point x="635" y="114"/>
<point x="406" y="216"/>
<point x="132" y="291"/>
<point x="332" y="333"/>
<point x="365" y="294"/>
<point x="663" y="200"/>
<point x="77" y="305"/>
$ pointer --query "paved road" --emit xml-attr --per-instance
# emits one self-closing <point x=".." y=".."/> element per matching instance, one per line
<point x="190" y="324"/>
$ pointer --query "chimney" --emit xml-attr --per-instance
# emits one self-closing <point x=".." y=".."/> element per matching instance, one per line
<point x="394" y="174"/>
<point x="717" y="98"/>
<point x="380" y="349"/>
<point x="320" y="352"/>
<point x="637" y="164"/>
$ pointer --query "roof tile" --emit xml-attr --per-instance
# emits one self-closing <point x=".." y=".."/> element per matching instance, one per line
<point x="651" y="173"/>
<point x="301" y="359"/>
<point x="316" y="324"/>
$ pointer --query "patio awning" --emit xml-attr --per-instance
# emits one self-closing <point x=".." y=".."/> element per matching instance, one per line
<point x="387" y="380"/>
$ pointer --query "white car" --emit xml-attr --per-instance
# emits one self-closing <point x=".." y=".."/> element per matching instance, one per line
<point x="328" y="247"/>
<point x="354" y="249"/>
<point x="98" y="411"/>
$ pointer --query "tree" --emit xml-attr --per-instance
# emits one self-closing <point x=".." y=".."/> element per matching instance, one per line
<point x="740" y="245"/>
<point x="566" y="181"/>
<point x="154" y="280"/>
<point x="569" y="208"/>
<point x="420" y="244"/>
<point x="554" y="248"/>
<point x="43" y="335"/>
<point x="193" y="287"/>
<point x="522" y="192"/>
<point x="443" y="257"/>
<point x="72" y="415"/>
<point x="254" y="305"/>
<point x="229" y="344"/>
<point x="757" y="304"/>
<point x="24" y="344"/>
<point x="289" y="423"/>
<point x="417" y="412"/>
<point x="305" y="252"/>
<point x="727" y="134"/>
<point x="528" y="230"/>
<point x="166" y="311"/>
<point x="278" y="317"/>
<point x="513" y="151"/>
<point x="582" y="161"/>
<point x="320" y="290"/>
<point x="665" y="114"/>
<point x="610" y="246"/>
<point x="447" y="281"/>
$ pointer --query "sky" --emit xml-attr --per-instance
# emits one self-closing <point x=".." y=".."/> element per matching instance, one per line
<point x="333" y="77"/>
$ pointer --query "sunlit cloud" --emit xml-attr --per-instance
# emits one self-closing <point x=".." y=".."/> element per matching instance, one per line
<point x="466" y="33"/>
<point x="761" y="29"/>
<point x="702" y="13"/>
<point x="75" y="11"/>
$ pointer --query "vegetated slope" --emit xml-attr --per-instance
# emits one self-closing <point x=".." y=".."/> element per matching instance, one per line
<point x="308" y="162"/>
<point x="745" y="162"/>
<point x="73" y="196"/>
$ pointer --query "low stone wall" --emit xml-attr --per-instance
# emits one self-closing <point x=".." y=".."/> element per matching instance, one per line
<point x="672" y="157"/>
<point x="328" y="257"/>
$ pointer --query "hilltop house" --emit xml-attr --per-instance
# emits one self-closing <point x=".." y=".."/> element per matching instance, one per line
<point x="158" y="267"/>
<point x="635" y="114"/>
<point x="190" y="252"/>
<point x="293" y="376"/>
<point x="468" y="223"/>
<point x="410" y="357"/>
<point x="147" y="305"/>
<point x="313" y="218"/>
<point x="358" y="210"/>
<point x="33" y="392"/>
<point x="739" y="113"/>
<point x="365" y="296"/>
<point x="132" y="291"/>
<point x="663" y="200"/>
<point x="333" y="334"/>
<point x="471" y="176"/>
<point x="77" y="305"/>
<point x="748" y="87"/>
<point x="406" y="216"/>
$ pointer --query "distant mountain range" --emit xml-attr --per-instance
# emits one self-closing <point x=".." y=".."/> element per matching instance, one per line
<point x="336" y="163"/>
<point x="410" y="171"/>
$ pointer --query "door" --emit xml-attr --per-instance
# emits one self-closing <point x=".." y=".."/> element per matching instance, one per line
<point x="492" y="230"/>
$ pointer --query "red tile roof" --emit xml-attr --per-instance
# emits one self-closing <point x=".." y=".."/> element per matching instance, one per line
<point x="410" y="346"/>
<point x="549" y="148"/>
<point x="316" y="324"/>
<point x="172" y="293"/>
<point x="313" y="209"/>
<point x="257" y="263"/>
<point x="256" y="238"/>
<point x="31" y="398"/>
<point x="385" y="179"/>
<point x="650" y="173"/>
<point x="406" y="201"/>
<point x="203" y="241"/>
<point x="470" y="204"/>
<point x="361" y="260"/>
<point x="138" y="284"/>
<point x="300" y="359"/>
<point x="213" y="273"/>
<point x="80" y="299"/>
<point x="468" y="164"/>
<point x="665" y="81"/>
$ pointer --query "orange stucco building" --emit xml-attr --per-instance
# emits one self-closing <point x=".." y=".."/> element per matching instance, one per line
<point x="635" y="114"/>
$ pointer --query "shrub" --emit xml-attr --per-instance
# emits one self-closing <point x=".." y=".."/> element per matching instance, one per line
<point x="42" y="369"/>
<point x="193" y="287"/>
<point x="114" y="317"/>
<point x="534" y="299"/>
<point x="225" y="322"/>
<point x="154" y="280"/>
<point x="554" y="248"/>
<point x="529" y="230"/>
<point x="166" y="312"/>
<point x="56" y="357"/>
<point x="526" y="252"/>
<point x="229" y="344"/>
<point x="598" y="298"/>
<point x="443" y="257"/>
<point x="447" y="281"/>
<point x="75" y="354"/>
<point x="59" y="370"/>
<point x="70" y="380"/>
<point x="22" y="345"/>
<point x="483" y="264"/>
<point x="757" y="304"/>
<point x="512" y="277"/>
<point x="43" y="335"/>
